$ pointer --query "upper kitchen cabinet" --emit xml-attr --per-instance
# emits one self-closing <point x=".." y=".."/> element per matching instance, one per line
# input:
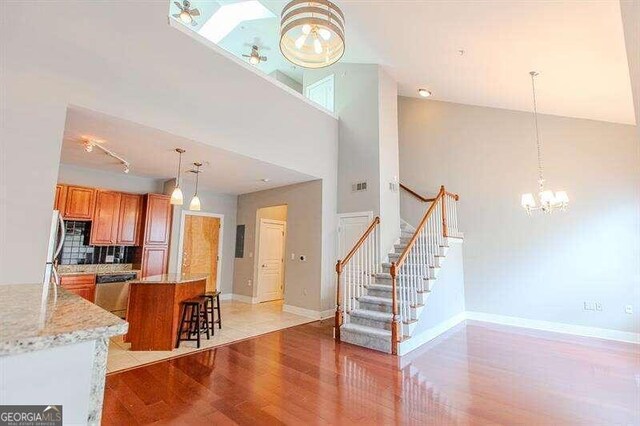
<point x="61" y="198"/>
<point x="129" y="220"/>
<point x="79" y="203"/>
<point x="157" y="219"/>
<point x="104" y="229"/>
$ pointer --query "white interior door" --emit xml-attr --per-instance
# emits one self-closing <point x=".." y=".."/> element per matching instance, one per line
<point x="270" y="260"/>
<point x="351" y="226"/>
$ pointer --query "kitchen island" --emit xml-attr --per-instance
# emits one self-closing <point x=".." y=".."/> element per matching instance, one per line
<point x="154" y="308"/>
<point x="53" y="350"/>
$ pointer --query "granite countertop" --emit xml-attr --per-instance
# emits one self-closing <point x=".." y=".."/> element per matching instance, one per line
<point x="170" y="279"/>
<point x="29" y="323"/>
<point x="110" y="268"/>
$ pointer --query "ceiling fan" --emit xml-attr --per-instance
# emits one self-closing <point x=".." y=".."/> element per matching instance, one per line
<point x="186" y="14"/>
<point x="254" y="57"/>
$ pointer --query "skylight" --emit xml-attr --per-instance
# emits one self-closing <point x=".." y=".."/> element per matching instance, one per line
<point x="229" y="16"/>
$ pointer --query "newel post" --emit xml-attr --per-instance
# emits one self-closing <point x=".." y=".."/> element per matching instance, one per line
<point x="445" y="230"/>
<point x="338" y="317"/>
<point x="395" y="325"/>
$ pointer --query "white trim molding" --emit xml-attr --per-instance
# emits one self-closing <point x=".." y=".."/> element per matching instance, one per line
<point x="242" y="298"/>
<point x="426" y="336"/>
<point x="316" y="315"/>
<point x="557" y="327"/>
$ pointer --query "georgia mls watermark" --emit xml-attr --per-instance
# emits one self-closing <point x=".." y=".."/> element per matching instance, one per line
<point x="30" y="415"/>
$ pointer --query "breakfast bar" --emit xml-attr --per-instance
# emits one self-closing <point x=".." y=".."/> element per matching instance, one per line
<point x="154" y="308"/>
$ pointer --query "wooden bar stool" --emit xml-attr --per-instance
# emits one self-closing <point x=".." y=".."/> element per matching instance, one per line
<point x="211" y="307"/>
<point x="191" y="323"/>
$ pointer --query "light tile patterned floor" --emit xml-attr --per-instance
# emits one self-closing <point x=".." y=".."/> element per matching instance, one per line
<point x="239" y="321"/>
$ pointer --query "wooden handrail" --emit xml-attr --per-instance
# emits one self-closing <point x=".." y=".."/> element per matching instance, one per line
<point x="339" y="267"/>
<point x="413" y="239"/>
<point x="415" y="194"/>
<point x="359" y="243"/>
<point x="424" y="199"/>
<point x="393" y="270"/>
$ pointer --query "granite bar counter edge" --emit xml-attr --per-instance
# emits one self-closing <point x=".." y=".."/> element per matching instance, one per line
<point x="32" y="319"/>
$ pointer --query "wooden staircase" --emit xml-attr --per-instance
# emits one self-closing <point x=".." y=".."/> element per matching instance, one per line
<point x="379" y="303"/>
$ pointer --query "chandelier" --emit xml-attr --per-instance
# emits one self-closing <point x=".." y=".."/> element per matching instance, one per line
<point x="549" y="201"/>
<point x="312" y="33"/>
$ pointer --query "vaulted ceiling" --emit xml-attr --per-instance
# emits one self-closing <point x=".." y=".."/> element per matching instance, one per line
<point x="577" y="46"/>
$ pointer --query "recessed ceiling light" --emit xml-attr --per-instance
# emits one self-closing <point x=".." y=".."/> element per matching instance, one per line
<point x="424" y="93"/>
<point x="265" y="179"/>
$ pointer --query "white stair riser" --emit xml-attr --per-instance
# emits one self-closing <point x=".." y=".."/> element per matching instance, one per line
<point x="371" y="342"/>
<point x="370" y="322"/>
<point x="386" y="292"/>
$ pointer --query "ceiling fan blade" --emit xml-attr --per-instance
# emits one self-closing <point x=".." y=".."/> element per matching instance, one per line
<point x="194" y="12"/>
<point x="194" y="23"/>
<point x="263" y="58"/>
<point x="178" y="5"/>
<point x="246" y="56"/>
<point x="176" y="15"/>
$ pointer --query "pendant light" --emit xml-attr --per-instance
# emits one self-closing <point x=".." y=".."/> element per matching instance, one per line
<point x="312" y="33"/>
<point x="549" y="201"/>
<point x="176" y="196"/>
<point x="195" y="201"/>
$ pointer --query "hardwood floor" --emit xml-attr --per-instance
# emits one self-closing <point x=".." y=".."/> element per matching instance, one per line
<point x="475" y="374"/>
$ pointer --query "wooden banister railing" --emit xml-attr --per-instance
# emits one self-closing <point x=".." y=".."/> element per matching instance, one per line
<point x="357" y="270"/>
<point x="409" y="272"/>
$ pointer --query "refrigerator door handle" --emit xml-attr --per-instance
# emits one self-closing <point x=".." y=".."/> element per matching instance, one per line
<point x="63" y="234"/>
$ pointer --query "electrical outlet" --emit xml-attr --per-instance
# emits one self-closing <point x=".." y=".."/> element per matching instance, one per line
<point x="589" y="306"/>
<point x="293" y="256"/>
<point x="248" y="283"/>
<point x="628" y="309"/>
<point x="598" y="306"/>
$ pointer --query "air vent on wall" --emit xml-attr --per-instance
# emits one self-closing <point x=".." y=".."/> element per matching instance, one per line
<point x="359" y="186"/>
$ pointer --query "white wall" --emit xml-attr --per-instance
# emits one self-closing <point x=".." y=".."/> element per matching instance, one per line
<point x="144" y="71"/>
<point x="389" y="162"/>
<point x="223" y="204"/>
<point x="285" y="79"/>
<point x="630" y="11"/>
<point x="83" y="176"/>
<point x="445" y="303"/>
<point x="366" y="103"/>
<point x="540" y="267"/>
<point x="304" y="231"/>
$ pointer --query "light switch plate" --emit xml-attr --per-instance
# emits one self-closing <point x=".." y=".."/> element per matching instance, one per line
<point x="628" y="309"/>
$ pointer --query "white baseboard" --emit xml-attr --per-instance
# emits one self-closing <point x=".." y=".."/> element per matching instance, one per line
<point x="420" y="339"/>
<point x="577" y="330"/>
<point x="226" y="296"/>
<point x="329" y="313"/>
<point x="244" y="299"/>
<point x="317" y="315"/>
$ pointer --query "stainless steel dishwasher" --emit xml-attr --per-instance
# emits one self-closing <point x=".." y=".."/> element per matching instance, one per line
<point x="112" y="291"/>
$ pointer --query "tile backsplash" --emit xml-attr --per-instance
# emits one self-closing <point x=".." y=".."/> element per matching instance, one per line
<point x="77" y="251"/>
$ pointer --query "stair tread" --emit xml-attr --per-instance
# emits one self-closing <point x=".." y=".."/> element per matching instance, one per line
<point x="376" y="299"/>
<point x="363" y="329"/>
<point x="365" y="313"/>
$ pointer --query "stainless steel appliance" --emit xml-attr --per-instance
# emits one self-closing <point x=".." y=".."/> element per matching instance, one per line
<point x="112" y="291"/>
<point x="56" y="238"/>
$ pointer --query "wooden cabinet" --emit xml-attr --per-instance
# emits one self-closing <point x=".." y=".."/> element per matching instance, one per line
<point x="154" y="260"/>
<point x="60" y="198"/>
<point x="129" y="220"/>
<point x="157" y="219"/>
<point x="79" y="203"/>
<point x="83" y="285"/>
<point x="104" y="229"/>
